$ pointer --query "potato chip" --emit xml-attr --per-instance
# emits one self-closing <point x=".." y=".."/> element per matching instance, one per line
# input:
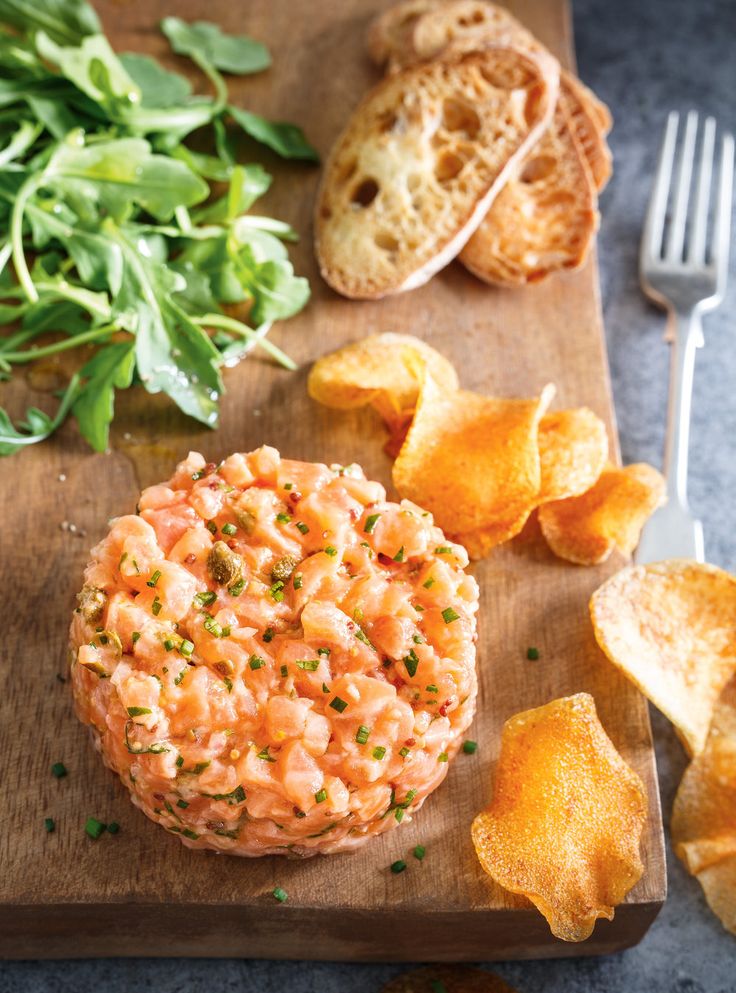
<point x="566" y="817"/>
<point x="482" y="541"/>
<point x="447" y="979"/>
<point x="704" y="814"/>
<point x="671" y="628"/>
<point x="385" y="370"/>
<point x="573" y="449"/>
<point x="586" y="528"/>
<point x="719" y="885"/>
<point x="471" y="460"/>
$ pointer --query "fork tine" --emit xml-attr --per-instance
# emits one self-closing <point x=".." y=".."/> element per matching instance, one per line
<point x="676" y="239"/>
<point x="722" y="228"/>
<point x="651" y="244"/>
<point x="696" y="248"/>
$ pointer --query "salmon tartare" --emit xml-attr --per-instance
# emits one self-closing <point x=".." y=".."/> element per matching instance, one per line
<point x="273" y="657"/>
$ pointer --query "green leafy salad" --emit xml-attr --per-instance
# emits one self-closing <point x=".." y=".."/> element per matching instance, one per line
<point x="110" y="232"/>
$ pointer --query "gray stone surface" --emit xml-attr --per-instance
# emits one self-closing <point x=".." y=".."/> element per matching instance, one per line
<point x="643" y="57"/>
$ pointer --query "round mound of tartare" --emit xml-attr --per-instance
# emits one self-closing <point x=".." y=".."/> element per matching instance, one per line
<point x="273" y="657"/>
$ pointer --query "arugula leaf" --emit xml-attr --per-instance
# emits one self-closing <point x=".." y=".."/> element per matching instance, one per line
<point x="110" y="369"/>
<point x="37" y="425"/>
<point x="173" y="355"/>
<point x="247" y="183"/>
<point x="158" y="86"/>
<point x="94" y="68"/>
<point x="123" y="171"/>
<point x="65" y="21"/>
<point x="287" y="140"/>
<point x="276" y="292"/>
<point x="206" y="42"/>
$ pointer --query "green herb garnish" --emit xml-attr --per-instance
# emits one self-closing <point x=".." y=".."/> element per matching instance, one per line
<point x="256" y="662"/>
<point x="330" y="550"/>
<point x="362" y="734"/>
<point x="411" y="661"/>
<point x="370" y="523"/>
<point x="113" y="827"/>
<point x="94" y="828"/>
<point x="50" y="825"/>
<point x="398" y="866"/>
<point x="205" y="599"/>
<point x="442" y="757"/>
<point x="302" y="527"/>
<point x="138" y="711"/>
<point x="399" y="557"/>
<point x="338" y="704"/>
<point x="419" y="852"/>
<point x="135" y="636"/>
<point x="229" y="529"/>
<point x="532" y="654"/>
<point x="429" y="583"/>
<point x="307" y="665"/>
<point x="156" y="606"/>
<point x="154" y="578"/>
<point x="449" y="615"/>
<point x="297" y="580"/>
<point x="283" y="518"/>
<point x="237" y="588"/>
<point x="281" y="895"/>
<point x="268" y="635"/>
<point x="59" y="770"/>
<point x="470" y="747"/>
<point x="324" y="651"/>
<point x="378" y="752"/>
<point x="320" y="796"/>
<point x="186" y="647"/>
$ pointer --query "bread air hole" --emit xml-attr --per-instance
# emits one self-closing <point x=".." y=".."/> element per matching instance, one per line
<point x="460" y="116"/>
<point x="347" y="171"/>
<point x="387" y="121"/>
<point x="540" y="167"/>
<point x="448" y="166"/>
<point x="386" y="241"/>
<point x="365" y="193"/>
<point x="477" y="17"/>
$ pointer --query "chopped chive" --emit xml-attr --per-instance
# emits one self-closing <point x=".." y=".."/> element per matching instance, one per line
<point x="93" y="827"/>
<point x="432" y="688"/>
<point x="419" y="852"/>
<point x="206" y="598"/>
<point x="403" y="752"/>
<point x="154" y="578"/>
<point x="370" y="523"/>
<point x="264" y="755"/>
<point x="419" y="607"/>
<point x="156" y="606"/>
<point x="200" y="767"/>
<point x="417" y="639"/>
<point x="225" y="632"/>
<point x="362" y="636"/>
<point x="182" y="803"/>
<point x="325" y="688"/>
<point x="398" y="866"/>
<point x="532" y="654"/>
<point x="399" y="814"/>
<point x="229" y="529"/>
<point x="179" y="761"/>
<point x="199" y="474"/>
<point x="429" y="583"/>
<point x="256" y="662"/>
<point x="50" y="825"/>
<point x="330" y="550"/>
<point x="188" y="833"/>
<point x="168" y="644"/>
<point x="284" y="671"/>
<point x="449" y="615"/>
<point x="268" y="635"/>
<point x="307" y="665"/>
<point x="442" y="757"/>
<point x="59" y="770"/>
<point x="358" y="614"/>
<point x="180" y="678"/>
<point x="283" y="518"/>
<point x="113" y="827"/>
<point x="399" y="557"/>
<point x="237" y="588"/>
<point x="362" y="734"/>
<point x="213" y="627"/>
<point x="470" y="747"/>
<point x="288" y="486"/>
<point x="411" y="661"/>
<point x="304" y="528"/>
<point x="338" y="704"/>
<point x="324" y="651"/>
<point x="138" y="711"/>
<point x="228" y="683"/>
<point x="277" y="591"/>
<point x="320" y="796"/>
<point x="135" y="636"/>
<point x="298" y="580"/>
<point x="378" y="752"/>
<point x="281" y="895"/>
<point x="186" y="647"/>
<point x="443" y="550"/>
<point x="211" y="527"/>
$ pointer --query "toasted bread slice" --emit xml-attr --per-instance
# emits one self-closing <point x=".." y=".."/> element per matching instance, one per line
<point x="420" y="163"/>
<point x="545" y="217"/>
<point x="430" y="27"/>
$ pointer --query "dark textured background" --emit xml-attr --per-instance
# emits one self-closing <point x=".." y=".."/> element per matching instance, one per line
<point x="643" y="57"/>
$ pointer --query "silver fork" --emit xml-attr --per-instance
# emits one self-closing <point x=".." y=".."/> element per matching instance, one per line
<point x="687" y="279"/>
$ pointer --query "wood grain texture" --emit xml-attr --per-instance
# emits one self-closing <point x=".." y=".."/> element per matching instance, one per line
<point x="141" y="892"/>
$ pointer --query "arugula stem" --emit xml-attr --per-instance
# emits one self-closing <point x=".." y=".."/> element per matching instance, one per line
<point x="70" y="395"/>
<point x="20" y="142"/>
<point x="5" y="253"/>
<point x="219" y="84"/>
<point x="87" y="299"/>
<point x="16" y="235"/>
<point x="30" y="354"/>
<point x="255" y="337"/>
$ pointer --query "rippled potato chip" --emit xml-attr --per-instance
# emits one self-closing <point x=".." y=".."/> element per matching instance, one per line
<point x="586" y="528"/>
<point x="573" y="449"/>
<point x="471" y="460"/>
<point x="567" y="813"/>
<point x="386" y="370"/>
<point x="719" y="886"/>
<point x="671" y="628"/>
<point x="704" y="814"/>
<point x="447" y="979"/>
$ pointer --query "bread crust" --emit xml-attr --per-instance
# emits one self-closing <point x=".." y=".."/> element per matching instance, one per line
<point x="420" y="162"/>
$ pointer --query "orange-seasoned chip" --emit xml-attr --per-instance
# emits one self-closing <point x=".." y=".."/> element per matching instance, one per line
<point x="566" y="817"/>
<point x="586" y="528"/>
<point x="719" y="886"/>
<point x="471" y="460"/>
<point x="447" y="979"/>
<point x="385" y="370"/>
<point x="671" y="628"/>
<point x="573" y="449"/>
<point x="482" y="541"/>
<point x="704" y="814"/>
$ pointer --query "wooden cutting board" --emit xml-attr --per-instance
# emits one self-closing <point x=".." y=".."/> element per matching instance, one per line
<point x="141" y="892"/>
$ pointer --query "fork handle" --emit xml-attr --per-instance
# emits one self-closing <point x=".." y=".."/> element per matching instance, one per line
<point x="688" y="335"/>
